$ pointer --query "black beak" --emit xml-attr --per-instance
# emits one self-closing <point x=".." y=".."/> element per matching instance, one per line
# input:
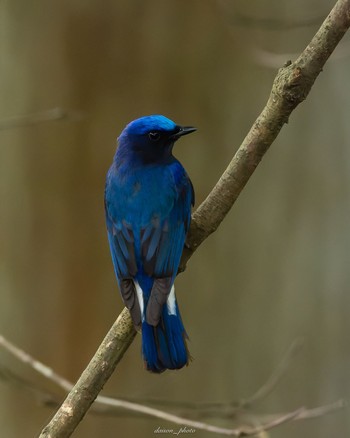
<point x="182" y="130"/>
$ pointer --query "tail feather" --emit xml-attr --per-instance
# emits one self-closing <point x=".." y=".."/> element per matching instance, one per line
<point x="164" y="346"/>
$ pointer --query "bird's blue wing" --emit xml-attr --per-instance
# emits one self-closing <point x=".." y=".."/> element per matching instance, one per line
<point x="122" y="245"/>
<point x="162" y="243"/>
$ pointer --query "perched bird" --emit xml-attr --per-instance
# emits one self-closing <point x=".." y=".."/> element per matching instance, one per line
<point x="148" y="198"/>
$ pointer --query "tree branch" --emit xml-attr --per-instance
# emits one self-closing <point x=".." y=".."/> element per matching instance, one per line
<point x="92" y="380"/>
<point x="291" y="86"/>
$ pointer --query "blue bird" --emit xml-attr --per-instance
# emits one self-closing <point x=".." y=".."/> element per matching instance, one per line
<point x="148" y="199"/>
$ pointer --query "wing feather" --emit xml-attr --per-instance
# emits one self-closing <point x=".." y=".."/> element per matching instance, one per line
<point x="164" y="247"/>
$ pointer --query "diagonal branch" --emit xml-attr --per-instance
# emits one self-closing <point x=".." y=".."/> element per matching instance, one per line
<point x="291" y="86"/>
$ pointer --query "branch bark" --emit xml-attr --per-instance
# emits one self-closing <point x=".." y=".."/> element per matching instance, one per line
<point x="90" y="383"/>
<point x="291" y="86"/>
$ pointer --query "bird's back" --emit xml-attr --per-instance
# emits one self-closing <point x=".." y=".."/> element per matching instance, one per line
<point x="139" y="193"/>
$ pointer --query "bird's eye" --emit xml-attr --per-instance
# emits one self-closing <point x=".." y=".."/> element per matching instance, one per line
<point x="154" y="135"/>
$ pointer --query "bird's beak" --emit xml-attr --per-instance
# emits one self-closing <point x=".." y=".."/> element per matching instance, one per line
<point x="183" y="130"/>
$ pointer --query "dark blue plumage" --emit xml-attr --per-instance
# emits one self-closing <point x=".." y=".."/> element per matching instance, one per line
<point x="148" y="200"/>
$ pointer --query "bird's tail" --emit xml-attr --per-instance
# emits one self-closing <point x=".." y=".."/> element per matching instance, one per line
<point x="164" y="346"/>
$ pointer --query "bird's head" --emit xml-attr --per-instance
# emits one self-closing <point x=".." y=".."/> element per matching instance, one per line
<point x="151" y="138"/>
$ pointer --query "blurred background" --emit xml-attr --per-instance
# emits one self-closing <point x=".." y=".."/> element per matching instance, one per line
<point x="276" y="270"/>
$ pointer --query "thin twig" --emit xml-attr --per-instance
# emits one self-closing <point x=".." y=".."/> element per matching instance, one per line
<point x="43" y="396"/>
<point x="228" y="410"/>
<point x="273" y="421"/>
<point x="35" y="364"/>
<point x="281" y="24"/>
<point x="41" y="117"/>
<point x="207" y="409"/>
<point x="276" y="376"/>
<point x="202" y="409"/>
